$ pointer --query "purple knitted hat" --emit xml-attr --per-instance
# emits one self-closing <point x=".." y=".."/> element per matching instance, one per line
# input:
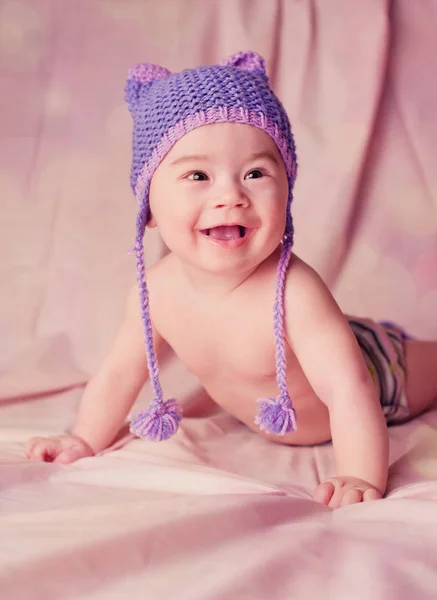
<point x="165" y="106"/>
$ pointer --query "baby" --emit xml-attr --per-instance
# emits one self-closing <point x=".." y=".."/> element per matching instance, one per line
<point x="213" y="168"/>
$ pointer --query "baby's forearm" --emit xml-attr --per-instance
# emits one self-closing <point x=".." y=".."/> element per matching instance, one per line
<point x="105" y="404"/>
<point x="359" y="435"/>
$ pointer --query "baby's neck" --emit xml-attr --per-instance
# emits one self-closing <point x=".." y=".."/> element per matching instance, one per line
<point x="212" y="283"/>
<point x="215" y="284"/>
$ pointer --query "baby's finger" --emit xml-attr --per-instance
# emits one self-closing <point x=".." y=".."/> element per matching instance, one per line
<point x="45" y="450"/>
<point x="30" y="445"/>
<point x="70" y="454"/>
<point x="337" y="495"/>
<point x="324" y="492"/>
<point x="371" y="494"/>
<point x="352" y="496"/>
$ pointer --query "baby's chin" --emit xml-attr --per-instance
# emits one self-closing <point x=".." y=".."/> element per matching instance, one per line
<point x="229" y="268"/>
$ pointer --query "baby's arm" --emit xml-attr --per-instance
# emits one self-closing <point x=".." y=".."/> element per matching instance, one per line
<point x="108" y="396"/>
<point x="330" y="357"/>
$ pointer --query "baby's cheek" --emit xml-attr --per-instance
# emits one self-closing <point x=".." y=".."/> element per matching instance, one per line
<point x="177" y="236"/>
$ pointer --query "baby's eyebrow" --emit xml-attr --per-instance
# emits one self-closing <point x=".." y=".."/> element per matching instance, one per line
<point x="203" y="157"/>
<point x="264" y="154"/>
<point x="188" y="158"/>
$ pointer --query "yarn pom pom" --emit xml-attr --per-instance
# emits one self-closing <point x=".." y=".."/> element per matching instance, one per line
<point x="276" y="415"/>
<point x="159" y="422"/>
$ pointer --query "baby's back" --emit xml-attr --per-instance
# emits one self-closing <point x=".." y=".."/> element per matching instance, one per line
<point x="226" y="340"/>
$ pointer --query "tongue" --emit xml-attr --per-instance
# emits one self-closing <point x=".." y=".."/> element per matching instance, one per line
<point x="225" y="232"/>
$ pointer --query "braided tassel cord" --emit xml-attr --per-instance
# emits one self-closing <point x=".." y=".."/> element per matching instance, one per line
<point x="276" y="415"/>
<point x="161" y="420"/>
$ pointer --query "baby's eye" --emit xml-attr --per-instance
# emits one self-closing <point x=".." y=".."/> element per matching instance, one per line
<point x="254" y="174"/>
<point x="198" y="176"/>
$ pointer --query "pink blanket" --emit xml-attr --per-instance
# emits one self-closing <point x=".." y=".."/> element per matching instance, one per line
<point x="216" y="512"/>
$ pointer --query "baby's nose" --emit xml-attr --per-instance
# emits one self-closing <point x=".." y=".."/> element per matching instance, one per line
<point x="231" y="197"/>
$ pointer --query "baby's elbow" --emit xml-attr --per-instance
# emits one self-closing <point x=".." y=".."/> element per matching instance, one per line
<point x="359" y="388"/>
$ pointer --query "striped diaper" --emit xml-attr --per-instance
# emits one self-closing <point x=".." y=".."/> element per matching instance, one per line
<point x="382" y="346"/>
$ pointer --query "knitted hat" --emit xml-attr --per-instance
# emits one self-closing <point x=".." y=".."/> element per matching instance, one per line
<point x="165" y="106"/>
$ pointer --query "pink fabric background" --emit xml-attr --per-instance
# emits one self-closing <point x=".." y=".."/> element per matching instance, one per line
<point x="217" y="505"/>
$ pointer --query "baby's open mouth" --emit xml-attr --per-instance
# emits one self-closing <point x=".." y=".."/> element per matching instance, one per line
<point x="226" y="232"/>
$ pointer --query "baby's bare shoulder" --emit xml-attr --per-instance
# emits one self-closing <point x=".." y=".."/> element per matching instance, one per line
<point x="301" y="277"/>
<point x="306" y="293"/>
<point x="158" y="281"/>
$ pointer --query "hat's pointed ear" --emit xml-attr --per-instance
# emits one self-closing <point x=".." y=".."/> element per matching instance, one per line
<point x="251" y="61"/>
<point x="139" y="78"/>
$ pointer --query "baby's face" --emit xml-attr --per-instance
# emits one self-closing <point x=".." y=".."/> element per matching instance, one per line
<point x="219" y="197"/>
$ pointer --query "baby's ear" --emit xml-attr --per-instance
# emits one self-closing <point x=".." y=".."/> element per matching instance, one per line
<point x="251" y="61"/>
<point x="139" y="78"/>
<point x="151" y="221"/>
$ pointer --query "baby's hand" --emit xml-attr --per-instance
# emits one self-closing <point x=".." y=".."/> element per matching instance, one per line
<point x="61" y="449"/>
<point x="341" y="491"/>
